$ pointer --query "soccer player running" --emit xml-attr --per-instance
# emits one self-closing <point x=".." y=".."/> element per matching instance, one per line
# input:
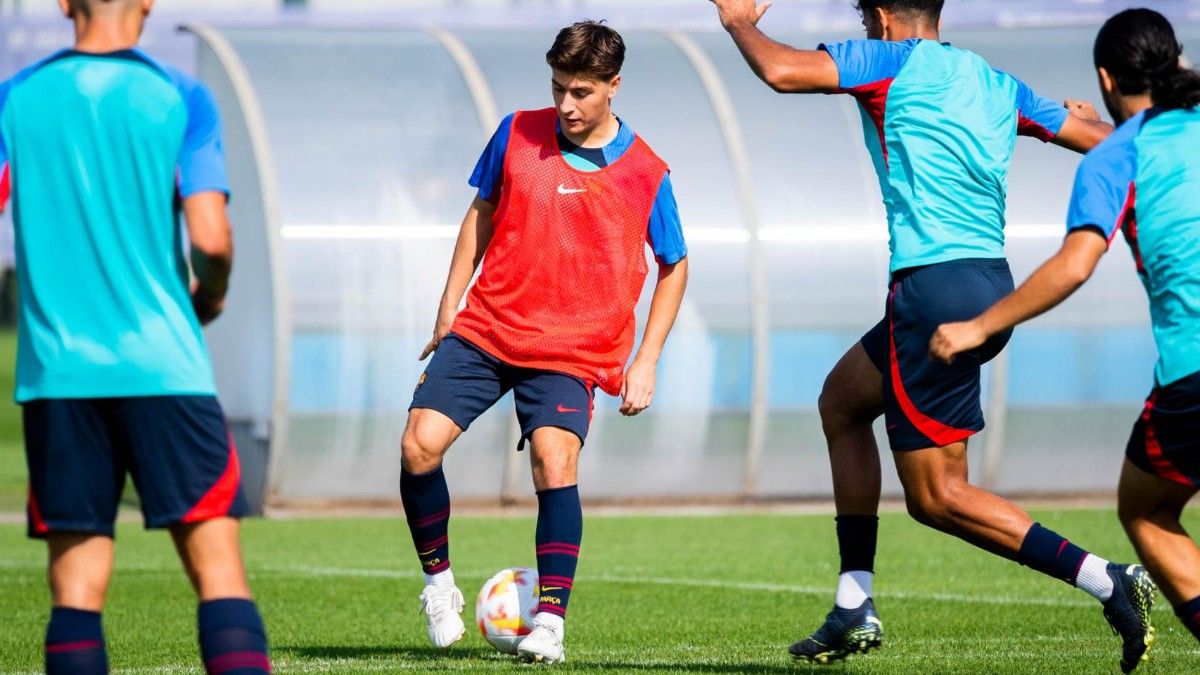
<point x="103" y="146"/>
<point x="1145" y="181"/>
<point x="941" y="126"/>
<point x="568" y="198"/>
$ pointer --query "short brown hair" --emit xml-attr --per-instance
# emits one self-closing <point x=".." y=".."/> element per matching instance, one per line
<point x="589" y="49"/>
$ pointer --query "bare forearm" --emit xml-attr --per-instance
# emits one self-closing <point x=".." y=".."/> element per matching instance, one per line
<point x="473" y="239"/>
<point x="664" y="307"/>
<point x="785" y="69"/>
<point x="1048" y="287"/>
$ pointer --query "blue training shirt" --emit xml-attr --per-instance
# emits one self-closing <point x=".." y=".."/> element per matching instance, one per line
<point x="941" y="126"/>
<point x="101" y="147"/>
<point x="1144" y="180"/>
<point x="664" y="231"/>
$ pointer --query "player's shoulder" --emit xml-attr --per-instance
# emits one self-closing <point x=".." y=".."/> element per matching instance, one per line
<point x="22" y="76"/>
<point x="1120" y="147"/>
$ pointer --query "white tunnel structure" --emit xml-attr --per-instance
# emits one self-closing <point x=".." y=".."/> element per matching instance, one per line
<point x="350" y="148"/>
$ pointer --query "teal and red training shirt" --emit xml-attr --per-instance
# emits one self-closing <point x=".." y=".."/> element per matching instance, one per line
<point x="1144" y="180"/>
<point x="98" y="149"/>
<point x="941" y="126"/>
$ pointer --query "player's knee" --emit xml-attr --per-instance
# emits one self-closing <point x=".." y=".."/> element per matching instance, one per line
<point x="935" y="505"/>
<point x="418" y="454"/>
<point x="1136" y="513"/>
<point x="83" y="593"/>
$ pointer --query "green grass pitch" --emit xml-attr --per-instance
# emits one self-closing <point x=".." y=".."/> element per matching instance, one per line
<point x="654" y="595"/>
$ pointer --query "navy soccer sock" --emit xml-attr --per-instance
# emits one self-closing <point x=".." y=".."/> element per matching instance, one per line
<point x="75" y="643"/>
<point x="1049" y="553"/>
<point x="559" y="531"/>
<point x="232" y="638"/>
<point x="427" y="507"/>
<point x="856" y="542"/>
<point x="1189" y="614"/>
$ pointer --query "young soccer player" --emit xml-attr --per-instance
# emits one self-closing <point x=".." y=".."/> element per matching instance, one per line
<point x="1144" y="181"/>
<point x="941" y="126"/>
<point x="103" y="146"/>
<point x="568" y="197"/>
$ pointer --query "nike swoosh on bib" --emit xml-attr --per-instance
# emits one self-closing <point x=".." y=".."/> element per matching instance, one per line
<point x="564" y="190"/>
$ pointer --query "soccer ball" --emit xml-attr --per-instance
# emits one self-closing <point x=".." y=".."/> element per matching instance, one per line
<point x="505" y="607"/>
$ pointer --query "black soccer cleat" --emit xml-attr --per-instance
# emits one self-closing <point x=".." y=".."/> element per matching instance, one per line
<point x="845" y="632"/>
<point x="1128" y="612"/>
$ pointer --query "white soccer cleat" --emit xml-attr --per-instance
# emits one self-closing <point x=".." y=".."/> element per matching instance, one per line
<point x="543" y="645"/>
<point x="443" y="606"/>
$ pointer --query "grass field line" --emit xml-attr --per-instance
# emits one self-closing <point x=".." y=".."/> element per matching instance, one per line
<point x="631" y="579"/>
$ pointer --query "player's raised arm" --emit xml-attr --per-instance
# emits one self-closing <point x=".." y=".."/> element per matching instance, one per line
<point x="211" y="252"/>
<point x="784" y="69"/>
<point x="473" y="239"/>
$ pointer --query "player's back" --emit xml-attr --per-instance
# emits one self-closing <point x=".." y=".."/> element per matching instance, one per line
<point x="94" y="144"/>
<point x="1164" y="232"/>
<point x="941" y="125"/>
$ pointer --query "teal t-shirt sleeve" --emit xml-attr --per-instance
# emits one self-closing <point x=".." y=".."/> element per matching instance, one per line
<point x="489" y="170"/>
<point x="1104" y="193"/>
<point x="1037" y="116"/>
<point x="665" y="232"/>
<point x="202" y="158"/>
<point x="865" y="62"/>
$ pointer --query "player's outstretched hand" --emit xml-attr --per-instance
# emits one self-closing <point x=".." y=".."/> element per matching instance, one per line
<point x="440" y="330"/>
<point x="952" y="339"/>
<point x="206" y="306"/>
<point x="1082" y="109"/>
<point x="739" y="11"/>
<point x="638" y="390"/>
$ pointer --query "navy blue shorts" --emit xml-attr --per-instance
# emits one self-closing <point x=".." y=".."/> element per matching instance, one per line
<point x="1166" y="438"/>
<point x="177" y="448"/>
<point x="928" y="404"/>
<point x="463" y="381"/>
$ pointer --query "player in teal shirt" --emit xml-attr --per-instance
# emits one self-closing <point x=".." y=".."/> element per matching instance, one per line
<point x="941" y="125"/>
<point x="103" y="149"/>
<point x="1144" y="181"/>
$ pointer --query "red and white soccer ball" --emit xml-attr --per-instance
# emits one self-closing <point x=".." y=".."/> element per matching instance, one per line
<point x="505" y="607"/>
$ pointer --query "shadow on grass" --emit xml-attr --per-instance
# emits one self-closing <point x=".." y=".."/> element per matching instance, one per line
<point x="483" y="654"/>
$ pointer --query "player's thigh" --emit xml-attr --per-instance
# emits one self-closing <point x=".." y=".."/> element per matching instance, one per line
<point x="1165" y="441"/>
<point x="554" y="400"/>
<point x="460" y="384"/>
<point x="928" y="403"/>
<point x="854" y="388"/>
<point x="930" y="476"/>
<point x="183" y="459"/>
<point x="75" y="473"/>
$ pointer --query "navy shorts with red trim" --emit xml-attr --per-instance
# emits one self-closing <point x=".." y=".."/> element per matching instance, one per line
<point x="463" y="381"/>
<point x="928" y="404"/>
<point x="177" y="448"/>
<point x="1166" y="438"/>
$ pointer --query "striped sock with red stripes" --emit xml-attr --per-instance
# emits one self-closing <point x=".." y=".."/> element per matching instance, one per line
<point x="427" y="507"/>
<point x="75" y="643"/>
<point x="232" y="638"/>
<point x="559" y="531"/>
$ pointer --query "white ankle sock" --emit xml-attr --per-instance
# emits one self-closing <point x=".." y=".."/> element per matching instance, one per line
<point x="445" y="578"/>
<point x="549" y="620"/>
<point x="1093" y="578"/>
<point x="853" y="589"/>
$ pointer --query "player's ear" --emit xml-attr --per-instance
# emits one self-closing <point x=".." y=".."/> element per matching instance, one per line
<point x="613" y="86"/>
<point x="66" y="8"/>
<point x="881" y="23"/>
<point x="147" y="6"/>
<point x="1107" y="84"/>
